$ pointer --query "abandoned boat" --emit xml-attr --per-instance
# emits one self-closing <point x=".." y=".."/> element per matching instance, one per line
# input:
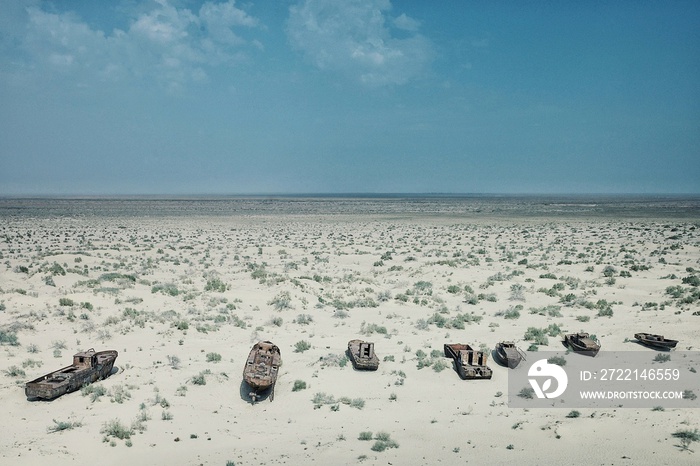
<point x="582" y="343"/>
<point x="657" y="341"/>
<point x="261" y="368"/>
<point x="509" y="354"/>
<point x="88" y="367"/>
<point x="362" y="355"/>
<point x="470" y="364"/>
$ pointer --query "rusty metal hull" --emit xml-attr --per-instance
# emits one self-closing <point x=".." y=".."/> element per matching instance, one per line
<point x="262" y="366"/>
<point x="657" y="341"/>
<point x="470" y="363"/>
<point x="582" y="343"/>
<point x="509" y="354"/>
<point x="362" y="355"/>
<point x="87" y="368"/>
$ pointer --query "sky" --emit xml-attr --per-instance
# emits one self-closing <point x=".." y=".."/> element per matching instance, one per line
<point x="349" y="96"/>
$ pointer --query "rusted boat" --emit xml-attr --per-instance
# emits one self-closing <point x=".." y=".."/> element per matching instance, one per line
<point x="362" y="355"/>
<point x="657" y="341"/>
<point x="470" y="363"/>
<point x="260" y="372"/>
<point x="88" y="367"/>
<point x="509" y="354"/>
<point x="582" y="343"/>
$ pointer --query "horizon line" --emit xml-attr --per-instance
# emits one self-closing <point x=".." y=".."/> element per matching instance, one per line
<point x="336" y="195"/>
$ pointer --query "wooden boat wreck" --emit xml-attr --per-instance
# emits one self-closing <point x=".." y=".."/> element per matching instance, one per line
<point x="582" y="343"/>
<point x="509" y="354"/>
<point x="470" y="363"/>
<point x="656" y="341"/>
<point x="362" y="355"/>
<point x="261" y="368"/>
<point x="88" y="367"/>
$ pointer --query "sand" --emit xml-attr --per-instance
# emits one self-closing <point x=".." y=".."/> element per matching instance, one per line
<point x="183" y="299"/>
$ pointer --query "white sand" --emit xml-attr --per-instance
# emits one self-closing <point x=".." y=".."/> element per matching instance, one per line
<point x="436" y="418"/>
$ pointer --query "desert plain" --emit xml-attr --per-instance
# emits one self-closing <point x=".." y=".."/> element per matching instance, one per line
<point x="183" y="297"/>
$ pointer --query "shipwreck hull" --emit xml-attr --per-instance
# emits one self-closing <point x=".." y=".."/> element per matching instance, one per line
<point x="470" y="363"/>
<point x="262" y="366"/>
<point x="509" y="355"/>
<point x="582" y="343"/>
<point x="655" y="341"/>
<point x="87" y="367"/>
<point x="362" y="355"/>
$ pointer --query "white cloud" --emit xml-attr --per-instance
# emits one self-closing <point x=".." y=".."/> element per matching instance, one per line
<point x="354" y="38"/>
<point x="406" y="23"/>
<point x="173" y="46"/>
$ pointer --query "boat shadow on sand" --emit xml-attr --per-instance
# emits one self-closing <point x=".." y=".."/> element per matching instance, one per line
<point x="260" y="395"/>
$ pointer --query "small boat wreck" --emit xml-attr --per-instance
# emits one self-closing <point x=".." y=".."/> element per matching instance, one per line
<point x="582" y="343"/>
<point x="362" y="355"/>
<point x="656" y="341"/>
<point x="260" y="372"/>
<point x="509" y="354"/>
<point x="88" y="367"/>
<point x="470" y="363"/>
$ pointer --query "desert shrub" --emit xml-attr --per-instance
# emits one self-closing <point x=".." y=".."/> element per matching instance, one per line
<point x="687" y="437"/>
<point x="94" y="391"/>
<point x="282" y="301"/>
<point x="215" y="284"/>
<point x="304" y="319"/>
<point x="558" y="360"/>
<point x="62" y="425"/>
<point x="169" y="289"/>
<point x="213" y="357"/>
<point x="539" y="336"/>
<point x="174" y="362"/>
<point x="299" y="385"/>
<point x="200" y="379"/>
<point x="512" y="313"/>
<point x="383" y="441"/>
<point x="116" y="429"/>
<point x="365" y="436"/>
<point x="14" y="371"/>
<point x="8" y="338"/>
<point x="440" y="365"/>
<point x="527" y="392"/>
<point x="692" y="280"/>
<point x="662" y="357"/>
<point x="321" y="399"/>
<point x="301" y="346"/>
<point x="517" y="292"/>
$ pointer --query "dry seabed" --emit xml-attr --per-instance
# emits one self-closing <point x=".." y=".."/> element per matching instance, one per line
<point x="183" y="300"/>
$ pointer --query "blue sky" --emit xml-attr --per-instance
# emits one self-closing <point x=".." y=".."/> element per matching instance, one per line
<point x="373" y="96"/>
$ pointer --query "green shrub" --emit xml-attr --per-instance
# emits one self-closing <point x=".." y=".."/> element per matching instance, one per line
<point x="67" y="302"/>
<point x="301" y="346"/>
<point x="365" y="436"/>
<point x="299" y="385"/>
<point x="558" y="360"/>
<point x="8" y="338"/>
<point x="215" y="284"/>
<point x="687" y="437"/>
<point x="116" y="429"/>
<point x="62" y="425"/>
